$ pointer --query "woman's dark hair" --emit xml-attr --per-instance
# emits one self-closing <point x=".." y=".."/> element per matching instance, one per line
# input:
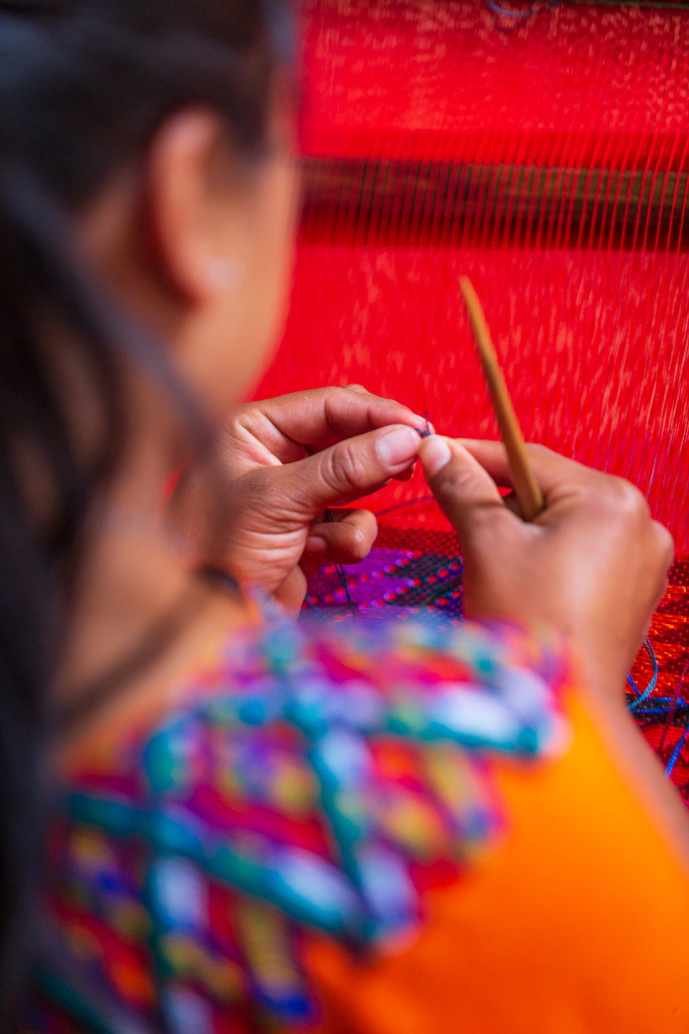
<point x="84" y="85"/>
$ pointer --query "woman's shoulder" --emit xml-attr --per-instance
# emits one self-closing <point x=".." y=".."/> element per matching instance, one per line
<point x="313" y="777"/>
<point x="329" y="753"/>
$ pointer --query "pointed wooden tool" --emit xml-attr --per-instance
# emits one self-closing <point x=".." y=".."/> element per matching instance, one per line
<point x="526" y="487"/>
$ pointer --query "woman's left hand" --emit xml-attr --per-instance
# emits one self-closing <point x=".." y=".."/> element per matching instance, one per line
<point x="255" y="508"/>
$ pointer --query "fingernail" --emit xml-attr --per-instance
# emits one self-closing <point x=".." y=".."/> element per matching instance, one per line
<point x="397" y="446"/>
<point x="424" y="423"/>
<point x="434" y="454"/>
<point x="315" y="545"/>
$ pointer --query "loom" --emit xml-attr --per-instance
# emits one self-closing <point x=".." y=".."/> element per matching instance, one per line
<point x="545" y="153"/>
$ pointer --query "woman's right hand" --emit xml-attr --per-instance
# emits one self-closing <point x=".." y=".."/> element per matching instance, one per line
<point x="593" y="564"/>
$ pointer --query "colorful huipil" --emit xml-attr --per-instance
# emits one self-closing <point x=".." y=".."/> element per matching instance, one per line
<point x="306" y="779"/>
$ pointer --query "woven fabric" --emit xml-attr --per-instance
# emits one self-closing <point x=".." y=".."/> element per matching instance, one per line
<point x="592" y="334"/>
<point x="304" y="780"/>
<point x="418" y="570"/>
<point x="548" y="159"/>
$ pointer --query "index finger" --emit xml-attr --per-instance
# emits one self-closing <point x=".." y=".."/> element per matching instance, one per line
<point x="321" y="417"/>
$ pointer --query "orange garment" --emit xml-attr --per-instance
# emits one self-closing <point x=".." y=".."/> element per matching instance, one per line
<point x="578" y="924"/>
<point x="163" y="877"/>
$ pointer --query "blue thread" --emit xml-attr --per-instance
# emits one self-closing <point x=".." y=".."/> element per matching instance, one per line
<point x="659" y="708"/>
<point x="425" y="432"/>
<point x="641" y="697"/>
<point x="676" y="752"/>
<point x="341" y="573"/>
<point x="497" y="9"/>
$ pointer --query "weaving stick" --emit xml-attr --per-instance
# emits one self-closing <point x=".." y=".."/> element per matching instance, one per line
<point x="525" y="485"/>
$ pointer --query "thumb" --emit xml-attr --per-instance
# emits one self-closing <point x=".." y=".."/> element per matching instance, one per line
<point x="350" y="469"/>
<point x="467" y="494"/>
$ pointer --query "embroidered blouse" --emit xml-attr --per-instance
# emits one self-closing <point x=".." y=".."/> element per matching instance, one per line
<point x="305" y="779"/>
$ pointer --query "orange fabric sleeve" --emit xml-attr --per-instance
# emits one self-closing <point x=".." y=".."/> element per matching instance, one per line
<point x="577" y="924"/>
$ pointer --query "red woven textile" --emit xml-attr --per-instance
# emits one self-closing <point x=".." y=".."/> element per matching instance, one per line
<point x="584" y="285"/>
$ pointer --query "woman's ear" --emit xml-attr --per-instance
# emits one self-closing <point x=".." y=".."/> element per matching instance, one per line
<point x="193" y="226"/>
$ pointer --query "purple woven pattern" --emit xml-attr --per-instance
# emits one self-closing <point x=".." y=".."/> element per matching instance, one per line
<point x="418" y="568"/>
<point x="409" y="580"/>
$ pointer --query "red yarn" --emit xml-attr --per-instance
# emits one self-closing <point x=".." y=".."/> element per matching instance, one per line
<point x="592" y="337"/>
<point x="585" y="290"/>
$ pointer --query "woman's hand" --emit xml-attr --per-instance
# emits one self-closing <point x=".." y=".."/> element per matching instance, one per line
<point x="594" y="563"/>
<point x="256" y="507"/>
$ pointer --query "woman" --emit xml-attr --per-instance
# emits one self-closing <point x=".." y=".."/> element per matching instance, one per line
<point x="214" y="819"/>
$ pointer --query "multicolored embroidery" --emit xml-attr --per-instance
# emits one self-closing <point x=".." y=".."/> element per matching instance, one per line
<point x="310" y="779"/>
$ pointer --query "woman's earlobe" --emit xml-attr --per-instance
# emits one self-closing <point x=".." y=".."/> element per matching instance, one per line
<point x="226" y="273"/>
